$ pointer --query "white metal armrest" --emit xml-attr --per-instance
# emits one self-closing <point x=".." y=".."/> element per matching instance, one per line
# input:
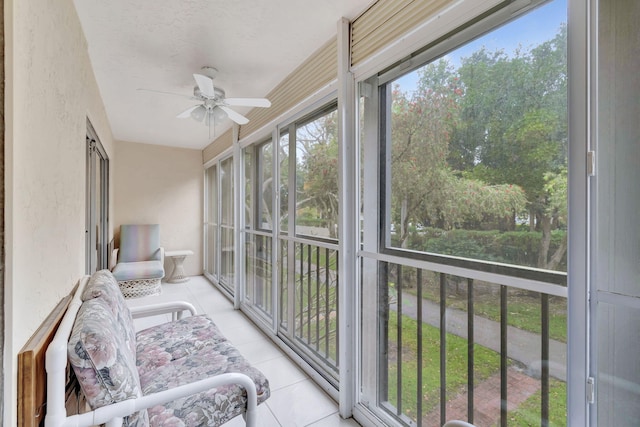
<point x="176" y="308"/>
<point x="127" y="407"/>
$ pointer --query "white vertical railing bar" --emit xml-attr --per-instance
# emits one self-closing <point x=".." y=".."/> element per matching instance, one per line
<point x="275" y="230"/>
<point x="291" y="232"/>
<point x="347" y="222"/>
<point x="238" y="218"/>
<point x="217" y="269"/>
<point x="368" y="329"/>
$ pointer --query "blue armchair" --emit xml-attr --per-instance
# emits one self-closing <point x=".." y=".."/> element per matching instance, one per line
<point x="140" y="260"/>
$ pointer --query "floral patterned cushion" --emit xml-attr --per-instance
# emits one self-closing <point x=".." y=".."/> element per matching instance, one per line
<point x="188" y="350"/>
<point x="104" y="365"/>
<point x="103" y="284"/>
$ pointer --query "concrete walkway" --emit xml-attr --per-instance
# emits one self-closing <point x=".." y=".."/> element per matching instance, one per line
<point x="522" y="346"/>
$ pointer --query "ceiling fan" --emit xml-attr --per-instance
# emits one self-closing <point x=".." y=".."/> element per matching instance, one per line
<point x="213" y="98"/>
<point x="213" y="103"/>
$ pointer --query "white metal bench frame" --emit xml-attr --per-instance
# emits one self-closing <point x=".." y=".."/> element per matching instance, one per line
<point x="112" y="415"/>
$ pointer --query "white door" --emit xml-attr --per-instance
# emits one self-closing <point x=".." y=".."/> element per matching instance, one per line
<point x="615" y="196"/>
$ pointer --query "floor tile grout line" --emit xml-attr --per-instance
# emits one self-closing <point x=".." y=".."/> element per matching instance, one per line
<point x="266" y="403"/>
<point x="292" y="384"/>
<point x="320" y="419"/>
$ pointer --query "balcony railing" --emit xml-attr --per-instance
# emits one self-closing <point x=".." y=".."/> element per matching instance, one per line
<point x="308" y="294"/>
<point x="449" y="346"/>
<point x="455" y="347"/>
<point x="313" y="307"/>
<point x="259" y="266"/>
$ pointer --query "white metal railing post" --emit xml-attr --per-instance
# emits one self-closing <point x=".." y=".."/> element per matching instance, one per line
<point x="275" y="231"/>
<point x="348" y="221"/>
<point x="238" y="218"/>
<point x="578" y="351"/>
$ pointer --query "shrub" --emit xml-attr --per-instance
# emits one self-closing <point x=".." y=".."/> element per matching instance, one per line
<point x="511" y="247"/>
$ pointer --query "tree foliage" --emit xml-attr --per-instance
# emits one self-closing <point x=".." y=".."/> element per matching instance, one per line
<point x="425" y="188"/>
<point x="317" y="187"/>
<point x="474" y="147"/>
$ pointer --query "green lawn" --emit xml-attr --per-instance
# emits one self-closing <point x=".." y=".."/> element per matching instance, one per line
<point x="523" y="310"/>
<point x="528" y="413"/>
<point x="486" y="364"/>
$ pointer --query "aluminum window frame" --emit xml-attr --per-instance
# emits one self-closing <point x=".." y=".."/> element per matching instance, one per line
<point x="373" y="227"/>
<point x="228" y="288"/>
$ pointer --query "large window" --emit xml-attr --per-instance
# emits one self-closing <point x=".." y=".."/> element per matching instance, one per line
<point x="211" y="267"/>
<point x="227" y="247"/>
<point x="308" y="252"/>
<point x="477" y="146"/>
<point x="467" y="161"/>
<point x="264" y="186"/>
<point x="290" y="236"/>
<point x="219" y="224"/>
<point x="317" y="176"/>
<point x="258" y="233"/>
<point x="469" y="266"/>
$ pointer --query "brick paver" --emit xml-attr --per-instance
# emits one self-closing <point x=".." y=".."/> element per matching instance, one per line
<point x="486" y="397"/>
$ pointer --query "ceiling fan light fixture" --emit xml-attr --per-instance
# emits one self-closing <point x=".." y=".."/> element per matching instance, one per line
<point x="219" y="114"/>
<point x="199" y="113"/>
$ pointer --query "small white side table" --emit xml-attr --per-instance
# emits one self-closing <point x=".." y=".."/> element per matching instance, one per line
<point x="177" y="275"/>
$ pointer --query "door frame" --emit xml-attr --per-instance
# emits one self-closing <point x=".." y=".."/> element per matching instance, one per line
<point x="95" y="151"/>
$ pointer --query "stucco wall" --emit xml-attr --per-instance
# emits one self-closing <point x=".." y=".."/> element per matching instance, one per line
<point x="162" y="185"/>
<point x="50" y="92"/>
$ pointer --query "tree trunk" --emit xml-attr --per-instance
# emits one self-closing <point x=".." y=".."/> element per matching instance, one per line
<point x="545" y="241"/>
<point x="557" y="255"/>
<point x="403" y="224"/>
<point x="532" y="220"/>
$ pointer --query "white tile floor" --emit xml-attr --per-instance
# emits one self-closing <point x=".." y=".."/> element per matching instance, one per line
<point x="295" y="399"/>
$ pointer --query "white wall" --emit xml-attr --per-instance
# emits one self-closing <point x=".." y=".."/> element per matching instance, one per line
<point x="162" y="185"/>
<point x="50" y="92"/>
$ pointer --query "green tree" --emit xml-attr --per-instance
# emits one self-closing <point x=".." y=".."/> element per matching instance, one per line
<point x="424" y="187"/>
<point x="514" y="126"/>
<point x="317" y="188"/>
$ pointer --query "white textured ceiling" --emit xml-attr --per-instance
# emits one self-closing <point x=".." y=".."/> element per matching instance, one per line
<point x="159" y="44"/>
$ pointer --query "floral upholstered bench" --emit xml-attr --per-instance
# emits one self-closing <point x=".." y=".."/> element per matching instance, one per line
<point x="180" y="373"/>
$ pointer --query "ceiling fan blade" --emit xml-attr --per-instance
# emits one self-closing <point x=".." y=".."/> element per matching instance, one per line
<point x="248" y="102"/>
<point x="236" y="117"/>
<point x="205" y="84"/>
<point x="187" y="113"/>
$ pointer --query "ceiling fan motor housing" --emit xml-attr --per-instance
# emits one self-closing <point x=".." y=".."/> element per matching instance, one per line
<point x="219" y="94"/>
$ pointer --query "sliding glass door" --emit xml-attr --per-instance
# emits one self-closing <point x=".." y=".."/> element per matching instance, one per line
<point x="97" y="210"/>
<point x="219" y="224"/>
<point x="291" y="236"/>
